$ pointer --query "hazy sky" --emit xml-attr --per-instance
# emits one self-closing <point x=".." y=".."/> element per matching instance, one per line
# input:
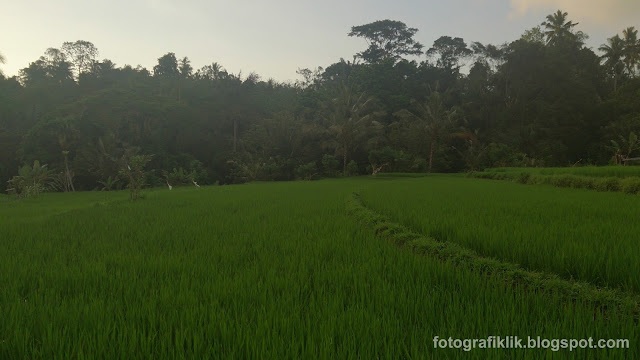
<point x="274" y="37"/>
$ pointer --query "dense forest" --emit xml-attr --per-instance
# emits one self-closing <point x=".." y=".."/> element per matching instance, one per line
<point x="544" y="99"/>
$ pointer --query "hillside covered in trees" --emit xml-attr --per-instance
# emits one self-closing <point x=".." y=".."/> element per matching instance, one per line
<point x="543" y="99"/>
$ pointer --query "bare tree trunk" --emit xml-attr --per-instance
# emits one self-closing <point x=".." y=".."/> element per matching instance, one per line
<point x="344" y="158"/>
<point x="235" y="134"/>
<point x="431" y="156"/>
<point x="69" y="185"/>
<point x="377" y="169"/>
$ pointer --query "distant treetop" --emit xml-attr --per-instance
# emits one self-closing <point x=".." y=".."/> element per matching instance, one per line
<point x="387" y="40"/>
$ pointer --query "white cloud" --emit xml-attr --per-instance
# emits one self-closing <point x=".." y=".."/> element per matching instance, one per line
<point x="618" y="13"/>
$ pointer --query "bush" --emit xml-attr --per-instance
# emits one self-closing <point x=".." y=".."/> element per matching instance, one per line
<point x="307" y="171"/>
<point x="607" y="184"/>
<point x="419" y="165"/>
<point x="581" y="182"/>
<point x="523" y="177"/>
<point x="179" y="177"/>
<point x="630" y="185"/>
<point x="561" y="181"/>
<point x="30" y="181"/>
<point x="330" y="165"/>
<point x="134" y="171"/>
<point x="352" y="168"/>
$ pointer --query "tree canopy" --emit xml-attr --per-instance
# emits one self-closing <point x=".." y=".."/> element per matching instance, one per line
<point x="541" y="99"/>
<point x="388" y="40"/>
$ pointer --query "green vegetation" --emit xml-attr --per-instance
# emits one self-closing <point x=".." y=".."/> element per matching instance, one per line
<point x="577" y="234"/>
<point x="513" y="274"/>
<point x="302" y="269"/>
<point x="595" y="171"/>
<point x="543" y="99"/>
<point x="612" y="178"/>
<point x="280" y="270"/>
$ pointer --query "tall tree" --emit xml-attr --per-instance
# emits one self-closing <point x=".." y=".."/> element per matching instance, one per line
<point x="81" y="54"/>
<point x="349" y="116"/>
<point x="489" y="54"/>
<point x="613" y="58"/>
<point x="559" y="30"/>
<point x="185" y="68"/>
<point x="534" y="34"/>
<point x="388" y="40"/>
<point x="167" y="66"/>
<point x="631" y="50"/>
<point x="214" y="71"/>
<point x="66" y="134"/>
<point x="433" y="118"/>
<point x="52" y="67"/>
<point x="449" y="52"/>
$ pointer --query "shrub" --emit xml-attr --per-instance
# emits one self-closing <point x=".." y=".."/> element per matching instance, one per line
<point x="419" y="165"/>
<point x="30" y="181"/>
<point x="630" y="185"/>
<point x="523" y="177"/>
<point x="352" y="168"/>
<point x="330" y="165"/>
<point x="110" y="183"/>
<point x="607" y="184"/>
<point x="562" y="180"/>
<point x="307" y="171"/>
<point x="179" y="177"/>
<point x="134" y="171"/>
<point x="581" y="182"/>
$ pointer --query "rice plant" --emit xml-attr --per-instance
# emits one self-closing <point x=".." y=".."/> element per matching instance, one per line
<point x="269" y="270"/>
<point x="576" y="233"/>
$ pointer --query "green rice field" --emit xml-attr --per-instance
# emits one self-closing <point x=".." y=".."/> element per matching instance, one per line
<point x="283" y="271"/>
<point x="599" y="171"/>
<point x="575" y="233"/>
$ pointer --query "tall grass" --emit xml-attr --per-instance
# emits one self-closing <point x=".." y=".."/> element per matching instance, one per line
<point x="274" y="271"/>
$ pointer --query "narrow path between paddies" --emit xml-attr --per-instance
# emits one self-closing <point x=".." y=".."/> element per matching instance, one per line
<point x="601" y="298"/>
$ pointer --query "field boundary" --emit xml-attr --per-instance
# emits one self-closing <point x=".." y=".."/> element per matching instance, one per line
<point x="575" y="291"/>
<point x="627" y="185"/>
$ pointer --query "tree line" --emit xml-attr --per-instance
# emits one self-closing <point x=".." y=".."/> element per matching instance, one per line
<point x="75" y="122"/>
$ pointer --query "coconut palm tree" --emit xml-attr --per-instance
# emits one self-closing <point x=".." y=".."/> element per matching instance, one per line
<point x="631" y="49"/>
<point x="613" y="55"/>
<point x="433" y="119"/>
<point x="348" y="119"/>
<point x="558" y="28"/>
<point x="67" y="134"/>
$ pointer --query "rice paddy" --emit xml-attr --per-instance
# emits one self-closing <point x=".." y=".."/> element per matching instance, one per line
<point x="598" y="171"/>
<point x="576" y="233"/>
<point x="283" y="271"/>
<point x="624" y="179"/>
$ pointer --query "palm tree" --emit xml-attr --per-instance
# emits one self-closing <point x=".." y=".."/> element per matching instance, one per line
<point x="624" y="148"/>
<point x="433" y="118"/>
<point x="631" y="49"/>
<point x="348" y="119"/>
<point x="613" y="55"/>
<point x="558" y="28"/>
<point x="66" y="133"/>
